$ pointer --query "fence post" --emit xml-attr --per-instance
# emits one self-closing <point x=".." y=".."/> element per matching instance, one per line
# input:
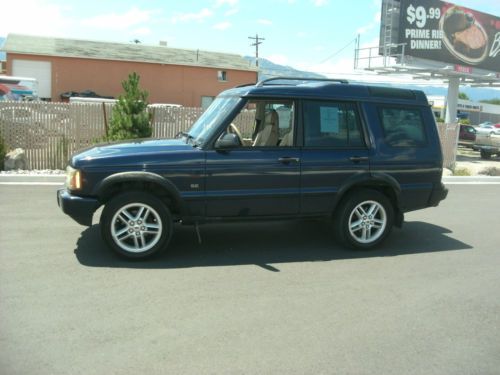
<point x="105" y="119"/>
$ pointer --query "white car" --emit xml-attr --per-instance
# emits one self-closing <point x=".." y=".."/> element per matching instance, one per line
<point x="489" y="128"/>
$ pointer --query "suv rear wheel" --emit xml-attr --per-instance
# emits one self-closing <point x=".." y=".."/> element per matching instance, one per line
<point x="363" y="219"/>
<point x="136" y="225"/>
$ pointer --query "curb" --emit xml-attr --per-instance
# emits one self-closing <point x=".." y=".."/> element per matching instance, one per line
<point x="51" y="179"/>
<point x="471" y="180"/>
<point x="32" y="179"/>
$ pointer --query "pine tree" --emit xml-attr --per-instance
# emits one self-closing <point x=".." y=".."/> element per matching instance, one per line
<point x="130" y="118"/>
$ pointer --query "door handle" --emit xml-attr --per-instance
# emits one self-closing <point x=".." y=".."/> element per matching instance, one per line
<point x="288" y="160"/>
<point x="357" y="159"/>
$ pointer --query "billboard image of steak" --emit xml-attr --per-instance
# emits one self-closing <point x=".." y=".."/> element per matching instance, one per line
<point x="471" y="42"/>
<point x="466" y="35"/>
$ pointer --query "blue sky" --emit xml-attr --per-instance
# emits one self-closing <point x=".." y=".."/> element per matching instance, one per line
<point x="301" y="33"/>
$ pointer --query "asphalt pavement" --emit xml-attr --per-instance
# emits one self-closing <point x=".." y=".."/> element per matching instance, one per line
<point x="261" y="298"/>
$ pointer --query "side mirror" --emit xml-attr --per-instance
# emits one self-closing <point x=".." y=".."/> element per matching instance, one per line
<point x="227" y="140"/>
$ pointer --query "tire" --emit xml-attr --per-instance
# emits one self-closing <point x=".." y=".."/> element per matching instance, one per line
<point x="358" y="228"/>
<point x="485" y="155"/>
<point x="136" y="225"/>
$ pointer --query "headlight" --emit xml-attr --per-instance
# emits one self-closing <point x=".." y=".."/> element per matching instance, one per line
<point x="73" y="178"/>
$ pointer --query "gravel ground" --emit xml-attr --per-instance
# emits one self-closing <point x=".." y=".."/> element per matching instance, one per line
<point x="33" y="172"/>
<point x="470" y="160"/>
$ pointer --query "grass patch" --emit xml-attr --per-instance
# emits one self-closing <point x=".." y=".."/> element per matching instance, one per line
<point x="461" y="172"/>
<point x="490" y="171"/>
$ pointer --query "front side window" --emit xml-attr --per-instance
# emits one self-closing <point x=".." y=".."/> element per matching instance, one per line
<point x="332" y="125"/>
<point x="265" y="123"/>
<point x="403" y="127"/>
<point x="208" y="122"/>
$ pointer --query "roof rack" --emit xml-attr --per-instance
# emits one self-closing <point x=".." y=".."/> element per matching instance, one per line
<point x="263" y="82"/>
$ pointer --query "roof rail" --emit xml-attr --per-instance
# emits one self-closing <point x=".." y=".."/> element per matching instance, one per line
<point x="245" y="85"/>
<point x="263" y="82"/>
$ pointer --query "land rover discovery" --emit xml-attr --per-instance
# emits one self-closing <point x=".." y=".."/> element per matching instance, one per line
<point x="279" y="149"/>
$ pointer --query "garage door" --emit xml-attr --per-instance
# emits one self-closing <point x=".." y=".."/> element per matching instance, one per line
<point x="41" y="70"/>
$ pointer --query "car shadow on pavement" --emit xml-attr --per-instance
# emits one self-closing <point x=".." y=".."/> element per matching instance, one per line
<point x="265" y="244"/>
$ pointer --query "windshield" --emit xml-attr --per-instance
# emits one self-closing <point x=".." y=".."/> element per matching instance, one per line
<point x="212" y="118"/>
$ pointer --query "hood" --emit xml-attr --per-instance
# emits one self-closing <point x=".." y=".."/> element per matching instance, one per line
<point x="129" y="152"/>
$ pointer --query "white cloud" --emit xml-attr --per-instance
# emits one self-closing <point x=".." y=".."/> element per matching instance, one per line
<point x="231" y="12"/>
<point x="141" y="31"/>
<point x="375" y="23"/>
<point x="219" y="3"/>
<point x="35" y="17"/>
<point x="278" y="59"/>
<point x="364" y="29"/>
<point x="320" y="3"/>
<point x="222" y="25"/>
<point x="263" y="21"/>
<point x="301" y="34"/>
<point x="116" y="21"/>
<point x="188" y="17"/>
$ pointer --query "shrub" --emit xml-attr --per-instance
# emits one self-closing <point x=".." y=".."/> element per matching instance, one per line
<point x="3" y="152"/>
<point x="461" y="172"/>
<point x="464" y="121"/>
<point x="490" y="171"/>
<point x="130" y="118"/>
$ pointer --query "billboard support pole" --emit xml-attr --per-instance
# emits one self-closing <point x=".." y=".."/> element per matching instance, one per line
<point x="452" y="100"/>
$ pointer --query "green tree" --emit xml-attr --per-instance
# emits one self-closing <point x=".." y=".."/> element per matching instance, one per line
<point x="130" y="118"/>
<point x="491" y="101"/>
<point x="463" y="95"/>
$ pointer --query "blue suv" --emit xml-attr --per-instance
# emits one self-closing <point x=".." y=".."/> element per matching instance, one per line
<point x="279" y="149"/>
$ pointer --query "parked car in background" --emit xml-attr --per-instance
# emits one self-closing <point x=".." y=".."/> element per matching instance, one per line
<point x="467" y="135"/>
<point x="489" y="128"/>
<point x="488" y="144"/>
<point x="18" y="88"/>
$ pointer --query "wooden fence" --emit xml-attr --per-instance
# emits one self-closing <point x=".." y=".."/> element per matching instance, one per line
<point x="50" y="132"/>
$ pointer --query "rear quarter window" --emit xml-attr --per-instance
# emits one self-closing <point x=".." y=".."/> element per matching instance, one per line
<point x="403" y="127"/>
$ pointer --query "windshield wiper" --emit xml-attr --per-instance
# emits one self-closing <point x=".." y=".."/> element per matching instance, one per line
<point x="184" y="134"/>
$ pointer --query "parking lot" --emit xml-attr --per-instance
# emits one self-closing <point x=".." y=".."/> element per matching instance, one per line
<point x="263" y="298"/>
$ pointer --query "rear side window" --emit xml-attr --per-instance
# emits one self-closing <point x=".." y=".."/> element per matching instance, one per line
<point x="403" y="127"/>
<point x="332" y="125"/>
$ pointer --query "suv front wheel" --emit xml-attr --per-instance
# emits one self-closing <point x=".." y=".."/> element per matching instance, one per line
<point x="363" y="219"/>
<point x="136" y="224"/>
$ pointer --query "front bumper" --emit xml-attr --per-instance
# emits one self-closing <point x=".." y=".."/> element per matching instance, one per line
<point x="81" y="209"/>
<point x="439" y="193"/>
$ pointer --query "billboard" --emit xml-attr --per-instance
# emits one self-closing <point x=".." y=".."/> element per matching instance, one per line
<point x="441" y="31"/>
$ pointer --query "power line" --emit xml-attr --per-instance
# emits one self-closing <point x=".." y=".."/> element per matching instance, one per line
<point x="256" y="44"/>
<point x="340" y="50"/>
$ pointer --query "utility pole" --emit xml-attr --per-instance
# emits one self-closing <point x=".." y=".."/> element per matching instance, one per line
<point x="256" y="44"/>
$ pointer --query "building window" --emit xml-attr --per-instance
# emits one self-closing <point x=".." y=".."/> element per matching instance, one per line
<point x="222" y="75"/>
